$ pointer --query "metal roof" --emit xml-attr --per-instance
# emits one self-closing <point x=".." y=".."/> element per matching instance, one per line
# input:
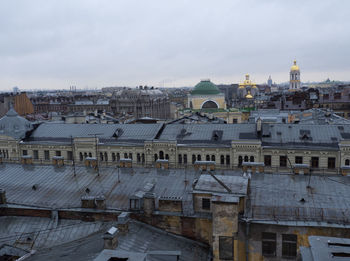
<point x="279" y="198"/>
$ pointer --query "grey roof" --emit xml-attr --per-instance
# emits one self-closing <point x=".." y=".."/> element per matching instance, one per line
<point x="141" y="238"/>
<point x="204" y="133"/>
<point x="14" y="125"/>
<point x="279" y="198"/>
<point x="326" y="249"/>
<point x="107" y="132"/>
<point x="237" y="184"/>
<point x="303" y="135"/>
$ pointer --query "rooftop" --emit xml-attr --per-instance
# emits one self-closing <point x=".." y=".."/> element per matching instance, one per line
<point x="205" y="87"/>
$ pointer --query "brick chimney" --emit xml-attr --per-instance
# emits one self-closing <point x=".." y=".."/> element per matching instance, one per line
<point x="110" y="238"/>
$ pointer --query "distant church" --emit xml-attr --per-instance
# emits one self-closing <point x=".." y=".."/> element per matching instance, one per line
<point x="294" y="81"/>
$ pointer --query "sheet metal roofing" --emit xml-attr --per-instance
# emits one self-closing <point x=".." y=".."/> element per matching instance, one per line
<point x="114" y="132"/>
<point x="58" y="188"/>
<point x="277" y="197"/>
<point x="141" y="238"/>
<point x="204" y="133"/>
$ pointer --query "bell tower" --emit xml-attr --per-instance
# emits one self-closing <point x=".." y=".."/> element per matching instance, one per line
<point x="294" y="81"/>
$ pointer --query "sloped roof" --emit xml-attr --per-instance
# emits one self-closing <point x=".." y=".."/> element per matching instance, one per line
<point x="14" y="125"/>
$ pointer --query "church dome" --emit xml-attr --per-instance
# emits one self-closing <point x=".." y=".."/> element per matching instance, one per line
<point x="14" y="125"/>
<point x="205" y="87"/>
<point x="295" y="67"/>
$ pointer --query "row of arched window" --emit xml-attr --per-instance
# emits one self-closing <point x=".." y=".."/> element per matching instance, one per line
<point x="115" y="156"/>
<point x="4" y="154"/>
<point x="245" y="159"/>
<point x="182" y="158"/>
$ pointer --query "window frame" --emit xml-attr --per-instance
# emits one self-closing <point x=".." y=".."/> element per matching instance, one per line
<point x="289" y="244"/>
<point x="206" y="204"/>
<point x="284" y="160"/>
<point x="267" y="160"/>
<point x="222" y="244"/>
<point x="268" y="239"/>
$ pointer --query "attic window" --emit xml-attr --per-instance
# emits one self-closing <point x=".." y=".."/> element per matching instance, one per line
<point x="216" y="135"/>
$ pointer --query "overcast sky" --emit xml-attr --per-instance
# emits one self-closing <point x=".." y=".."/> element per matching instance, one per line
<point x="55" y="44"/>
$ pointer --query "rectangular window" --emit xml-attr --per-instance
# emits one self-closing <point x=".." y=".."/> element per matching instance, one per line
<point x="314" y="162"/>
<point x="58" y="153"/>
<point x="24" y="152"/>
<point x="36" y="154"/>
<point x="206" y="203"/>
<point x="268" y="243"/>
<point x="70" y="155"/>
<point x="331" y="163"/>
<point x="298" y="160"/>
<point x="289" y="245"/>
<point x="47" y="155"/>
<point x="283" y="161"/>
<point x="226" y="248"/>
<point x="267" y="160"/>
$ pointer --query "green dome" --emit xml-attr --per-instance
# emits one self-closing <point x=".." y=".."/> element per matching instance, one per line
<point x="205" y="87"/>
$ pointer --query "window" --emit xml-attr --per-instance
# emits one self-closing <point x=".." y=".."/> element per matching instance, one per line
<point x="58" y="153"/>
<point x="268" y="244"/>
<point x="240" y="160"/>
<point x="24" y="152"/>
<point x="143" y="157"/>
<point x="138" y="157"/>
<point x="180" y="159"/>
<point x="155" y="157"/>
<point x="331" y="163"/>
<point x="337" y="95"/>
<point x="246" y="159"/>
<point x="126" y="155"/>
<point x="289" y="245"/>
<point x="251" y="158"/>
<point x="199" y="157"/>
<point x="185" y="158"/>
<point x="314" y="162"/>
<point x="69" y="155"/>
<point x="161" y="154"/>
<point x="106" y="156"/>
<point x="130" y="155"/>
<point x="234" y="121"/>
<point x="222" y="159"/>
<point x="101" y="156"/>
<point x="267" y="160"/>
<point x="47" y="155"/>
<point x="283" y="161"/>
<point x="206" y="203"/>
<point x="326" y="96"/>
<point x="167" y="156"/>
<point x="118" y="156"/>
<point x="36" y="154"/>
<point x="193" y="158"/>
<point x="207" y="157"/>
<point x="226" y="248"/>
<point x="298" y="160"/>
<point x="113" y="156"/>
<point x="213" y="158"/>
<point x="227" y="159"/>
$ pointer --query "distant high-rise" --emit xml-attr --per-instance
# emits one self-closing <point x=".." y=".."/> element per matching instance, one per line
<point x="294" y="82"/>
<point x="269" y="81"/>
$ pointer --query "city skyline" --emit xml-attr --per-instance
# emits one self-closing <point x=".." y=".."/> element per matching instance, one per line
<point x="95" y="44"/>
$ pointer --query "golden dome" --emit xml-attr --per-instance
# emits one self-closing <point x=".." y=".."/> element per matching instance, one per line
<point x="295" y="67"/>
<point x="247" y="82"/>
<point x="249" y="96"/>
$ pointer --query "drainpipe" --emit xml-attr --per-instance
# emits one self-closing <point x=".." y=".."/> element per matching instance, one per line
<point x="247" y="241"/>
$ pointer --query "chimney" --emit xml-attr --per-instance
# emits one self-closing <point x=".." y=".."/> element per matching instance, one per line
<point x="88" y="202"/>
<point x="110" y="238"/>
<point x="259" y="126"/>
<point x="2" y="196"/>
<point x="100" y="202"/>
<point x="123" y="222"/>
<point x="149" y="203"/>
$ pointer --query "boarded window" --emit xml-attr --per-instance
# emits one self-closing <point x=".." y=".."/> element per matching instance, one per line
<point x="268" y="244"/>
<point x="226" y="248"/>
<point x="206" y="203"/>
<point x="267" y="160"/>
<point x="331" y="163"/>
<point x="283" y="161"/>
<point x="289" y="245"/>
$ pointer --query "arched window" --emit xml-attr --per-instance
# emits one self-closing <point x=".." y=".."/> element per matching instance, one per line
<point x="347" y="162"/>
<point x="222" y="159"/>
<point x="240" y="160"/>
<point x="101" y="156"/>
<point x="85" y="155"/>
<point x="193" y="158"/>
<point x="213" y="158"/>
<point x="155" y="157"/>
<point x="125" y="155"/>
<point x="143" y="157"/>
<point x="106" y="156"/>
<point x="130" y="155"/>
<point x="118" y="156"/>
<point x="138" y="157"/>
<point x="167" y="156"/>
<point x="246" y="159"/>
<point x="199" y="157"/>
<point x="207" y="158"/>
<point x="251" y="158"/>
<point x="185" y="158"/>
<point x="81" y="156"/>
<point x="228" y="160"/>
<point x="180" y="159"/>
<point x="161" y="154"/>
<point x="90" y="154"/>
<point x="113" y="156"/>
